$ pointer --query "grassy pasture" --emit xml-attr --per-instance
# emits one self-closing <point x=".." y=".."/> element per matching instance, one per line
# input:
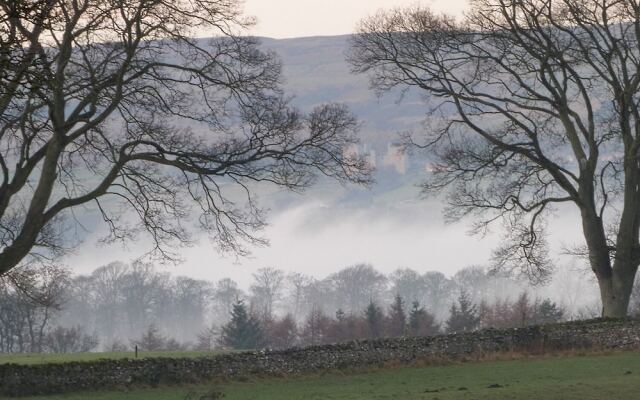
<point x="612" y="377"/>
<point x="31" y="359"/>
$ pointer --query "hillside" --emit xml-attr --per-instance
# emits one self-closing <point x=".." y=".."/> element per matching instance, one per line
<point x="388" y="224"/>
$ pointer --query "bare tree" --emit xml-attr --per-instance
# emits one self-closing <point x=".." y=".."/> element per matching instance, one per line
<point x="408" y="283"/>
<point x="357" y="286"/>
<point x="315" y="328"/>
<point x="29" y="300"/>
<point x="475" y="281"/>
<point x="298" y="283"/>
<point x="207" y="340"/>
<point x="70" y="340"/>
<point x="267" y="290"/>
<point x="190" y="298"/>
<point x="439" y="292"/>
<point x="320" y="294"/>
<point x="119" y="301"/>
<point x="538" y="106"/>
<point x="281" y="333"/>
<point x="106" y="285"/>
<point x="151" y="340"/>
<point x="114" y="104"/>
<point x="225" y="294"/>
<point x="145" y="294"/>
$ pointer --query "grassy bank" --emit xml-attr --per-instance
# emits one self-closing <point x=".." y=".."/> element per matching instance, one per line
<point x="615" y="376"/>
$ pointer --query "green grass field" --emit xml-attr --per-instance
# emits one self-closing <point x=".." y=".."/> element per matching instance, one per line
<point x="610" y="377"/>
<point x="30" y="359"/>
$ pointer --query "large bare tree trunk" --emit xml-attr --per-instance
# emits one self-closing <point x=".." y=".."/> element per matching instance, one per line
<point x="616" y="286"/>
<point x="559" y="60"/>
<point x="615" y="281"/>
<point x="615" y="292"/>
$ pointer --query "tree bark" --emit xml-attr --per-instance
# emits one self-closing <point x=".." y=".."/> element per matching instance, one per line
<point x="13" y="254"/>
<point x="617" y="286"/>
<point x="615" y="292"/>
<point x="615" y="281"/>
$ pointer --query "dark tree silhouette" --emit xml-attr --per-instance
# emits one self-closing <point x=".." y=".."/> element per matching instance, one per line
<point x="463" y="315"/>
<point x="243" y="331"/>
<point x="421" y="323"/>
<point x="114" y="104"/>
<point x="538" y="106"/>
<point x="397" y="318"/>
<point x="548" y="312"/>
<point x="374" y="318"/>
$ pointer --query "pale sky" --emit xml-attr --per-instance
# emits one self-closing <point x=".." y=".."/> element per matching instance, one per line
<point x="297" y="18"/>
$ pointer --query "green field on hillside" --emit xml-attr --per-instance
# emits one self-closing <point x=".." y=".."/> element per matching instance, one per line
<point x="611" y="377"/>
<point x="44" y="358"/>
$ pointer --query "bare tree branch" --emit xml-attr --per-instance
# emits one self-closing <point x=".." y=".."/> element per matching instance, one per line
<point x="114" y="103"/>
<point x="540" y="102"/>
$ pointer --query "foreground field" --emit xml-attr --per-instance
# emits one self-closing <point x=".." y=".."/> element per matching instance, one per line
<point x="43" y="358"/>
<point x="615" y="376"/>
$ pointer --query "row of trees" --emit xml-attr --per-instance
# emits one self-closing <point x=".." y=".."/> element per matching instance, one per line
<point x="248" y="331"/>
<point x="28" y="305"/>
<point x="120" y="106"/>
<point x="118" y="304"/>
<point x="121" y="301"/>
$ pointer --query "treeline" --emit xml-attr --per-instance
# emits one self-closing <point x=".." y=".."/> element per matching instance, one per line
<point x="121" y="305"/>
<point x="30" y="300"/>
<point x="247" y="331"/>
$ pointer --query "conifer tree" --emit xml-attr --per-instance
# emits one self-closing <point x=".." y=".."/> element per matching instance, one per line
<point x="464" y="316"/>
<point x="548" y="312"/>
<point x="421" y="323"/>
<point x="397" y="319"/>
<point x="243" y="330"/>
<point x="375" y="318"/>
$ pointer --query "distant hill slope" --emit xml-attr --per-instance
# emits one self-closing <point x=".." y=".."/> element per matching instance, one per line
<point x="316" y="72"/>
<point x="331" y="226"/>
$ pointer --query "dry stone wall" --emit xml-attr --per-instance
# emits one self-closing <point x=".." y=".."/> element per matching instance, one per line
<point x="23" y="380"/>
